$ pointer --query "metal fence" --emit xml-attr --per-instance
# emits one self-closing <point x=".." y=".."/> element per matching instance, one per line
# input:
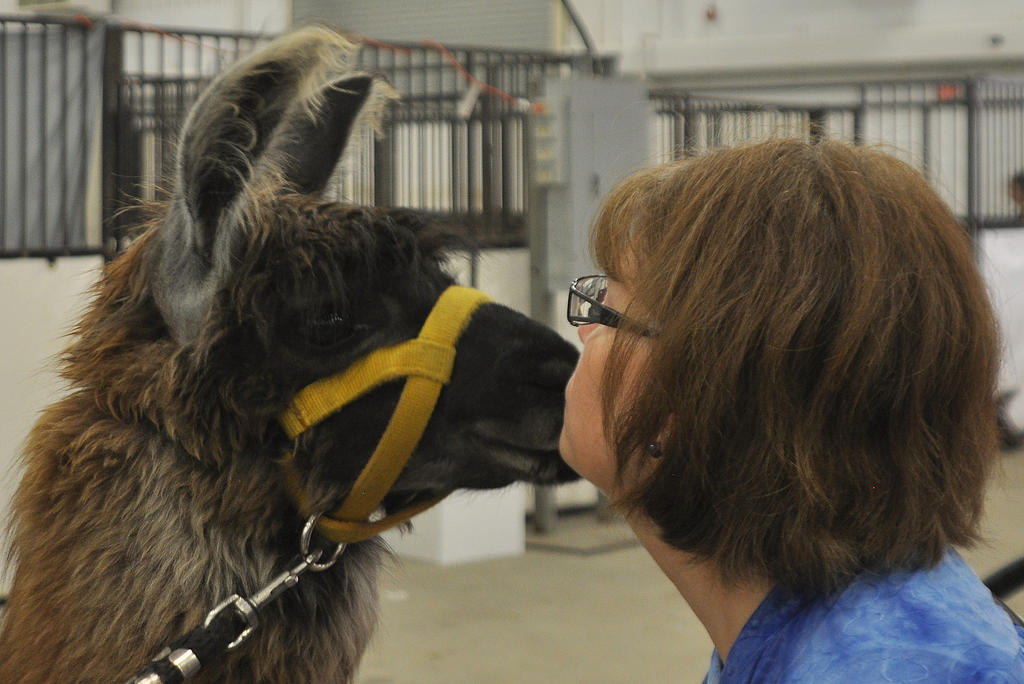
<point x="965" y="136"/>
<point x="82" y="146"/>
<point x="455" y="142"/>
<point x="453" y="145"/>
<point x="91" y="115"/>
<point x="49" y="94"/>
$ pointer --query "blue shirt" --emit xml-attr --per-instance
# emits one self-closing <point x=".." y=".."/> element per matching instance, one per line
<point x="937" y="626"/>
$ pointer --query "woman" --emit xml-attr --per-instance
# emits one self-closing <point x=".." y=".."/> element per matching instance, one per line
<point x="787" y="386"/>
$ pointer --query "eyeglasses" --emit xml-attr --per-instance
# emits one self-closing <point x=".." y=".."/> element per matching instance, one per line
<point x="586" y="305"/>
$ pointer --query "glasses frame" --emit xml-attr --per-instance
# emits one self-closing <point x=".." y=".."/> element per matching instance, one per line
<point x="600" y="313"/>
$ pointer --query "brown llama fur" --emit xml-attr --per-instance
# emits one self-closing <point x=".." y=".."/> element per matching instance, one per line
<point x="150" y="491"/>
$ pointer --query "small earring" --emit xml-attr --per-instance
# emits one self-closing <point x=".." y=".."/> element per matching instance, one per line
<point x="654" y="450"/>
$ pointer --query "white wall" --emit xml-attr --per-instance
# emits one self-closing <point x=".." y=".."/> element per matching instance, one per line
<point x="39" y="302"/>
<point x="91" y="7"/>
<point x="1002" y="263"/>
<point x="677" y="41"/>
<point x="740" y="41"/>
<point x="262" y="16"/>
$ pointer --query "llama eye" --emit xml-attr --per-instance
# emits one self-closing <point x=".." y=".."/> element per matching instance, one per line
<point x="329" y="330"/>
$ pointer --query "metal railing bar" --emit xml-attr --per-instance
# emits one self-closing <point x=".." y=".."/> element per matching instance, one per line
<point x="50" y="253"/>
<point x="4" y="104"/>
<point x="64" y="219"/>
<point x="24" y="137"/>
<point x="84" y="151"/>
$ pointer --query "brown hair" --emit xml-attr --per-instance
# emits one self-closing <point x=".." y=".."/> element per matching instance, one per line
<point x="823" y="384"/>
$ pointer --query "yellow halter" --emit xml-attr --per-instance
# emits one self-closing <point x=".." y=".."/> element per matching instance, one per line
<point x="427" y="363"/>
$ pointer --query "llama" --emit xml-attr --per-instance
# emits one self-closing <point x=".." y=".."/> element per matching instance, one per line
<point x="152" y="490"/>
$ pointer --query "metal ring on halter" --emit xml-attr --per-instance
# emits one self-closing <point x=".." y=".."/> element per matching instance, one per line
<point x="312" y="558"/>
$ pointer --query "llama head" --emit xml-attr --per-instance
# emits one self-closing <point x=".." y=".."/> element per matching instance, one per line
<point x="265" y="286"/>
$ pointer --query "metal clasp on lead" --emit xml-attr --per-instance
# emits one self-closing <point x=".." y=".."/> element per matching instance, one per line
<point x="245" y="609"/>
<point x="248" y="608"/>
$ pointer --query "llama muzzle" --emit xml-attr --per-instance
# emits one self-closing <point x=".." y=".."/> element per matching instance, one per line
<point x="426" y="362"/>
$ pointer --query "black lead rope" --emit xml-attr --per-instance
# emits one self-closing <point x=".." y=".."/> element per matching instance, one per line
<point x="1006" y="579"/>
<point x="233" y="621"/>
<point x="203" y="646"/>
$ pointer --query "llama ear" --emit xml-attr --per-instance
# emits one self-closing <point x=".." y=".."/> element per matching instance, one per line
<point x="241" y="139"/>
<point x="310" y="140"/>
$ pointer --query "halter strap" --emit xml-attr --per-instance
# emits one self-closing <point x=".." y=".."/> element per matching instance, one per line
<point x="427" y="362"/>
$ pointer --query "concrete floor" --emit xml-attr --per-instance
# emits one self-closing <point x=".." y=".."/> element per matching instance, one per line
<point x="586" y="605"/>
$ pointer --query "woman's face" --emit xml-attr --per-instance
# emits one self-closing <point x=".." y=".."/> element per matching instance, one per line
<point x="582" y="442"/>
